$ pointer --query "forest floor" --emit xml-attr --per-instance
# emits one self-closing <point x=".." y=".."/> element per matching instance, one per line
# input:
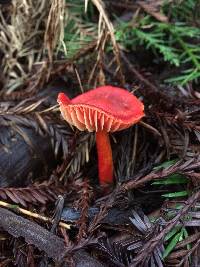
<point x="53" y="211"/>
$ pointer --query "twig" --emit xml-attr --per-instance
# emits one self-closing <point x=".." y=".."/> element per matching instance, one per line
<point x="169" y="104"/>
<point x="179" y="167"/>
<point x="138" y="75"/>
<point x="189" y="253"/>
<point x="150" y="128"/>
<point x="32" y="214"/>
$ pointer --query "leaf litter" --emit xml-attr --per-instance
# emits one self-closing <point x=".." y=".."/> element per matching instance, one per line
<point x="53" y="210"/>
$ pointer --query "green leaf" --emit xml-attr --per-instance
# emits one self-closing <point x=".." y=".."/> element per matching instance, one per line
<point x="172" y="232"/>
<point x="166" y="164"/>
<point x="176" y="194"/>
<point x="172" y="179"/>
<point x="185" y="235"/>
<point x="173" y="243"/>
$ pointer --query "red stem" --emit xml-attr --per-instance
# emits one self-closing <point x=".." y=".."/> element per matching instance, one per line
<point x="105" y="161"/>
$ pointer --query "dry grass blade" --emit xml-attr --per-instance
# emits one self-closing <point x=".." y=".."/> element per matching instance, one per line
<point x="21" y="40"/>
<point x="55" y="27"/>
<point x="103" y="16"/>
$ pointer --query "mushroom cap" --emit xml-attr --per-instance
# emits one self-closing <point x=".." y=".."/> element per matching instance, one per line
<point x="105" y="108"/>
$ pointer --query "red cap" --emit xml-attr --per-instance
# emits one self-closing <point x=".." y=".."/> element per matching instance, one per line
<point x="105" y="108"/>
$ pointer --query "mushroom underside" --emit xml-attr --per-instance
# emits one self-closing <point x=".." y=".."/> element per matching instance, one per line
<point x="85" y="118"/>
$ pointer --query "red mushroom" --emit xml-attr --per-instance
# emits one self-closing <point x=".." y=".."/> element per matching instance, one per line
<point x="102" y="110"/>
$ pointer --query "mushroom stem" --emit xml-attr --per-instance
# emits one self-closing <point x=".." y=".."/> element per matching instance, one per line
<point x="105" y="161"/>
